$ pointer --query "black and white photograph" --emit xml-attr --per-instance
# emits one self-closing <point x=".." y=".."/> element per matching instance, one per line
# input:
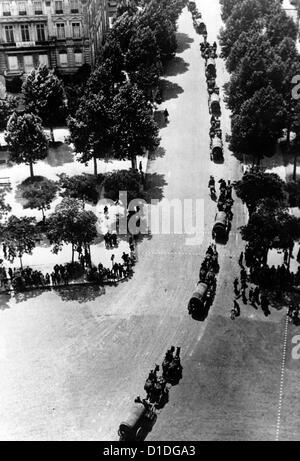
<point x="149" y="223"/>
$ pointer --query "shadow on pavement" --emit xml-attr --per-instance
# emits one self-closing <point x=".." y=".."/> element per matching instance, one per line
<point x="160" y="119"/>
<point x="175" y="67"/>
<point x="170" y="90"/>
<point x="80" y="294"/>
<point x="154" y="185"/>
<point x="4" y="300"/>
<point x="60" y="155"/>
<point x="183" y="42"/>
<point x="160" y="152"/>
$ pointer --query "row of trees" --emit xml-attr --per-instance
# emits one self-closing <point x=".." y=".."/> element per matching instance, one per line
<point x="114" y="113"/>
<point x="69" y="224"/>
<point x="114" y="116"/>
<point x="259" y="44"/>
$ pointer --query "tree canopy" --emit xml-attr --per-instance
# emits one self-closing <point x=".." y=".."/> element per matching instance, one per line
<point x="90" y="129"/>
<point x="44" y="95"/>
<point x="71" y="224"/>
<point x="134" y="130"/>
<point x="19" y="236"/>
<point x="256" y="186"/>
<point x="39" y="193"/>
<point x="26" y="139"/>
<point x="82" y="187"/>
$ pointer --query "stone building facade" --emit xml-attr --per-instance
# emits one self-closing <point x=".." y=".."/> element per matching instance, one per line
<point x="59" y="33"/>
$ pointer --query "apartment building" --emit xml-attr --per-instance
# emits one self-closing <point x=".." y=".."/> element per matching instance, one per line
<point x="51" y="32"/>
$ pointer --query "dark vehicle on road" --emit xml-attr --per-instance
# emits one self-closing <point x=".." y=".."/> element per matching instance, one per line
<point x="139" y="422"/>
<point x="216" y="148"/>
<point x="197" y="304"/>
<point x="220" y="229"/>
<point x="210" y="70"/>
<point x="214" y="104"/>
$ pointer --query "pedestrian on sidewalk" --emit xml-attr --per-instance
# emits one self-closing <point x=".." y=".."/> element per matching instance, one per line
<point x="236" y="286"/>
<point x="256" y="294"/>
<point x="244" y="296"/>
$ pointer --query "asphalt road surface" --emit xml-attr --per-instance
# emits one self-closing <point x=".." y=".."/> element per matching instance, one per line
<point x="72" y="363"/>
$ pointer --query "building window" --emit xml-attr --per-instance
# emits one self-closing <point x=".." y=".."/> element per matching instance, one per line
<point x="13" y="63"/>
<point x="76" y="29"/>
<point x="74" y="6"/>
<point x="9" y="34"/>
<point x="28" y="63"/>
<point x="25" y="33"/>
<point x="60" y="30"/>
<point x="22" y="8"/>
<point x="40" y="32"/>
<point x="78" y="58"/>
<point x="43" y="60"/>
<point x="38" y="9"/>
<point x="59" y="7"/>
<point x="63" y="58"/>
<point x="6" y="9"/>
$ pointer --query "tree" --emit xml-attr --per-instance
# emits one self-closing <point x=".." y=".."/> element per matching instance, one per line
<point x="19" y="236"/>
<point x="280" y="26"/>
<point x="39" y="193"/>
<point x="255" y="186"/>
<point x="44" y="96"/>
<point x="259" y="124"/>
<point x="124" y="180"/>
<point x="134" y="128"/>
<point x="126" y="6"/>
<point x="82" y="187"/>
<point x="245" y="15"/>
<point x="161" y="19"/>
<point x="123" y="29"/>
<point x="258" y="67"/>
<point x="26" y="139"/>
<point x="271" y="227"/>
<point x="227" y="7"/>
<point x="70" y="224"/>
<point x="90" y="129"/>
<point x="293" y="191"/>
<point x="143" y="62"/>
<point x="7" y="107"/>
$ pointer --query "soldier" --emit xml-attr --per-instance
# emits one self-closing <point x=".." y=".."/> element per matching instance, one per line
<point x="236" y="284"/>
<point x="169" y="355"/>
<point x="241" y="258"/>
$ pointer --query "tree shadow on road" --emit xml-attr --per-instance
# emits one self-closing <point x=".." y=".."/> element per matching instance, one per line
<point x="154" y="185"/>
<point x="4" y="301"/>
<point x="176" y="67"/>
<point x="160" y="119"/>
<point x="160" y="152"/>
<point x="81" y="293"/>
<point x="183" y="42"/>
<point x="170" y="90"/>
<point x="60" y="155"/>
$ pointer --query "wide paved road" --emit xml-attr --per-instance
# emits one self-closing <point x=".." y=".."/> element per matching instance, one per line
<point x="70" y="370"/>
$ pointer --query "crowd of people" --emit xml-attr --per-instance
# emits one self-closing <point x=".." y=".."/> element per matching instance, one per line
<point x="280" y="277"/>
<point x="262" y="277"/>
<point x="21" y="279"/>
